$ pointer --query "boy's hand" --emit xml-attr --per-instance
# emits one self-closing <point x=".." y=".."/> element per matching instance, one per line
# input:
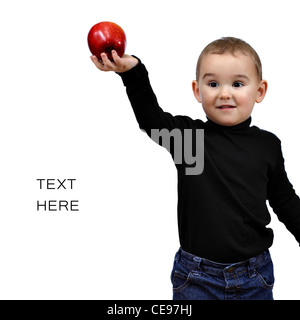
<point x="119" y="65"/>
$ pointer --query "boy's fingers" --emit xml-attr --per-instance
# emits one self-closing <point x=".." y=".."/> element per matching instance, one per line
<point x="116" y="57"/>
<point x="106" y="62"/>
<point x="97" y="63"/>
<point x="119" y="64"/>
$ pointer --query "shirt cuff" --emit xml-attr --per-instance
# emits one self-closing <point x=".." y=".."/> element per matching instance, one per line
<point x="134" y="76"/>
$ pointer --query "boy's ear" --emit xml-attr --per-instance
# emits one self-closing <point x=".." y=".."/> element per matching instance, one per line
<point x="196" y="92"/>
<point x="262" y="90"/>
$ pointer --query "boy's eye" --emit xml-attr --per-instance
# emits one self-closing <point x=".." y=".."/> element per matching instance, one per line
<point x="237" y="84"/>
<point x="213" y="84"/>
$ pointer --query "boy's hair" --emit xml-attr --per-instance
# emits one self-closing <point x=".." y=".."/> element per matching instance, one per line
<point x="231" y="45"/>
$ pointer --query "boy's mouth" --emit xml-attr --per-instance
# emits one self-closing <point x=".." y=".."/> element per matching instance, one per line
<point x="226" y="107"/>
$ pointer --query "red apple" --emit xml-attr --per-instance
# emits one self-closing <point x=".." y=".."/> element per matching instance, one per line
<point x="105" y="37"/>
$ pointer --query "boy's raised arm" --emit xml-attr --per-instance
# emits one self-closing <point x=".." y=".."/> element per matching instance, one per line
<point x="135" y="78"/>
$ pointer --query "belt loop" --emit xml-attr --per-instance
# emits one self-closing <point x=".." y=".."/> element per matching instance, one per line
<point x="251" y="268"/>
<point x="198" y="262"/>
<point x="177" y="255"/>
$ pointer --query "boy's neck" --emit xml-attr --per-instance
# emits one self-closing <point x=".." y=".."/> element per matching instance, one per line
<point x="243" y="125"/>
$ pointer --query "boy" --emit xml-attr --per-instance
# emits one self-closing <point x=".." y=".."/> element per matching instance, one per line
<point x="222" y="212"/>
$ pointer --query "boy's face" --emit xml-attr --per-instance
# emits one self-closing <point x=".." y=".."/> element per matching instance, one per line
<point x="228" y="87"/>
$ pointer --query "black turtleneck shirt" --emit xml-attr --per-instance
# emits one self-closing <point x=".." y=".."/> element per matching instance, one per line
<point x="222" y="212"/>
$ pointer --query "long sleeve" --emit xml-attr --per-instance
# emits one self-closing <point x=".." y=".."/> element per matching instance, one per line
<point x="144" y="102"/>
<point x="283" y="199"/>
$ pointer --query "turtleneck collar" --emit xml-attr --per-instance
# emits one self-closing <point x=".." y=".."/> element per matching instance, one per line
<point x="241" y="126"/>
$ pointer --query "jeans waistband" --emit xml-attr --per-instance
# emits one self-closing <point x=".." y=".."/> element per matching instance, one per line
<point x="215" y="268"/>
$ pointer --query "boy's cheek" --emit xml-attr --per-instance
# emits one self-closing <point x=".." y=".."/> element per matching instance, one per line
<point x="207" y="99"/>
<point x="246" y="99"/>
<point x="202" y="94"/>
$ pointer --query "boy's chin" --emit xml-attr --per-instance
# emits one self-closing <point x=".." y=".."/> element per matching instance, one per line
<point x="229" y="121"/>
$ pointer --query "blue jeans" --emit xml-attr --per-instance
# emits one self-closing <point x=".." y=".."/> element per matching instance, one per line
<point x="195" y="278"/>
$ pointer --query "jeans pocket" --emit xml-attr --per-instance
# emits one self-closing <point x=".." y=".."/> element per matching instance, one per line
<point x="265" y="275"/>
<point x="181" y="281"/>
<point x="181" y="276"/>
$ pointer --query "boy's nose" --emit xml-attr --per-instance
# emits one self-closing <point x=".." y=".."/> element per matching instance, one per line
<point x="225" y="93"/>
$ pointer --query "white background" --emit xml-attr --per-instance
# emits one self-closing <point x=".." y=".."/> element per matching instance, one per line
<point x="62" y="118"/>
